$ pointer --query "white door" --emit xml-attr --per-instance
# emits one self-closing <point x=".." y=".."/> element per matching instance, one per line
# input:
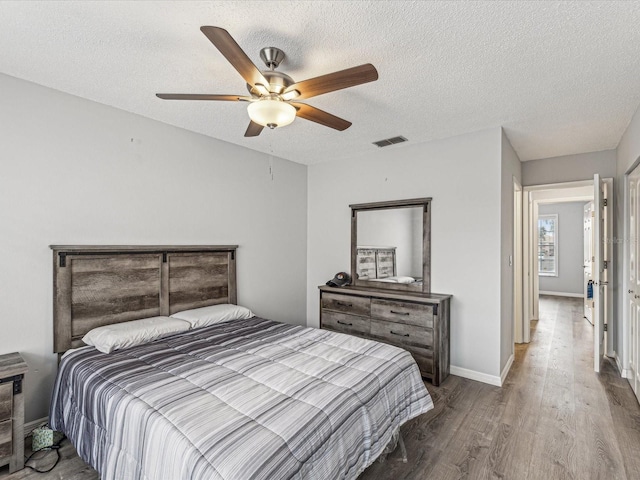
<point x="634" y="280"/>
<point x="588" y="261"/>
<point x="599" y="272"/>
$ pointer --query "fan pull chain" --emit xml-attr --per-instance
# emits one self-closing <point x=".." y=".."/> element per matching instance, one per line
<point x="271" y="161"/>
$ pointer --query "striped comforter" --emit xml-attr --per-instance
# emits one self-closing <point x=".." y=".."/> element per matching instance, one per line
<point x="245" y="399"/>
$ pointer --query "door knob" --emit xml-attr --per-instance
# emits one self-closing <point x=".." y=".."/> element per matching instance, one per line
<point x="630" y="291"/>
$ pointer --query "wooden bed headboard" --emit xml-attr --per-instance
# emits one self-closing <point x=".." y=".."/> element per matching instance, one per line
<point x="102" y="285"/>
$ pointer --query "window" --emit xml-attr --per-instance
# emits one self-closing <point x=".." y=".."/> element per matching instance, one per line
<point x="548" y="245"/>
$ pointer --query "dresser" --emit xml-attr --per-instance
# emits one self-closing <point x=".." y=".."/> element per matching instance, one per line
<point x="417" y="322"/>
<point x="12" y="370"/>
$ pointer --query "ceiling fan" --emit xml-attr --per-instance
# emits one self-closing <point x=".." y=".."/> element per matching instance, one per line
<point x="273" y="99"/>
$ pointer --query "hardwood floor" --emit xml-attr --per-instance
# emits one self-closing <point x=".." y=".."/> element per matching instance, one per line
<point x="553" y="419"/>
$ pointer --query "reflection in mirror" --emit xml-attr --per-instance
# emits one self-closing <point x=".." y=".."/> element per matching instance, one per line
<point x="390" y="245"/>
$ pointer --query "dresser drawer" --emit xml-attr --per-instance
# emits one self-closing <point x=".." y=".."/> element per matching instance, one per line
<point x="344" y="323"/>
<point x="6" y="400"/>
<point x="347" y="304"/>
<point x="6" y="447"/>
<point x="403" y="312"/>
<point x="424" y="359"/>
<point x="401" y="334"/>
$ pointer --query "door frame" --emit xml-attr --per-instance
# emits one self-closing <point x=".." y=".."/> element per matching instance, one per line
<point x="603" y="275"/>
<point x="533" y="196"/>
<point x="518" y="335"/>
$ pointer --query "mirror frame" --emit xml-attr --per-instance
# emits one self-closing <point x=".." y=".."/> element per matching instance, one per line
<point x="425" y="203"/>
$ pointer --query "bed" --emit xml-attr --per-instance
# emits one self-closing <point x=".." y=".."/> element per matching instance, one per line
<point x="244" y="398"/>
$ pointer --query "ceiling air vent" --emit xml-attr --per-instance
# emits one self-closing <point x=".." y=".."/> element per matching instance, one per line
<point x="390" y="141"/>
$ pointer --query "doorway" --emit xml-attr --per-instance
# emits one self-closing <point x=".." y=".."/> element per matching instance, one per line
<point x="564" y="250"/>
<point x="587" y="260"/>
<point x="598" y="191"/>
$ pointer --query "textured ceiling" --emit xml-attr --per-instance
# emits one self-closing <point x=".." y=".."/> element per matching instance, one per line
<point x="561" y="77"/>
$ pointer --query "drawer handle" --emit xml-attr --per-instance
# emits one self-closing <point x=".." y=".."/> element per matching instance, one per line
<point x="343" y="304"/>
<point x="398" y="334"/>
<point x="399" y="313"/>
<point x="345" y="323"/>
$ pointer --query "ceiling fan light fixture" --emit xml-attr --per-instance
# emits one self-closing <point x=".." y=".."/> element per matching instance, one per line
<point x="290" y="95"/>
<point x="271" y="112"/>
<point x="271" y="91"/>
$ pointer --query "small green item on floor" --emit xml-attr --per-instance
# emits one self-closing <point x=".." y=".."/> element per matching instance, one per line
<point x="44" y="437"/>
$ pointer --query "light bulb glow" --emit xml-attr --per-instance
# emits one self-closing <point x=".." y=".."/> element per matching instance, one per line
<point x="271" y="113"/>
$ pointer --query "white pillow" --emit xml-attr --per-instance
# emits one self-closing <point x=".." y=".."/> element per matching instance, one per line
<point x="405" y="279"/>
<point x="129" y="334"/>
<point x="201" y="317"/>
<point x="395" y="280"/>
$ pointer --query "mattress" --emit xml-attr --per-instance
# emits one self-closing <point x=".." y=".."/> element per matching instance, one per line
<point x="244" y="399"/>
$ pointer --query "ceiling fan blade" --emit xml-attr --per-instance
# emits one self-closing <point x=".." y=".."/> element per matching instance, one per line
<point x="320" y="116"/>
<point x="235" y="55"/>
<point x="189" y="96"/>
<point x="335" y="81"/>
<point x="253" y="130"/>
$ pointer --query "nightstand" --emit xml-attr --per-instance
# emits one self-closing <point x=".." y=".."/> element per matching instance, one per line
<point x="12" y="370"/>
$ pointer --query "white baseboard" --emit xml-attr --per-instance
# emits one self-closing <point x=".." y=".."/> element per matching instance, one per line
<point x="30" y="426"/>
<point x="474" y="375"/>
<point x="624" y="372"/>
<point x="562" y="294"/>
<point x="505" y="370"/>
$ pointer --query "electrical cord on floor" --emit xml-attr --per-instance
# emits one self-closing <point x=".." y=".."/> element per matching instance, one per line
<point x="55" y="447"/>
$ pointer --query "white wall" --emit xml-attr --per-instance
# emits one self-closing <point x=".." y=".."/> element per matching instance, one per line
<point x="569" y="168"/>
<point x="462" y="174"/>
<point x="570" y="277"/>
<point x="510" y="169"/>
<point x="628" y="154"/>
<point x="78" y="172"/>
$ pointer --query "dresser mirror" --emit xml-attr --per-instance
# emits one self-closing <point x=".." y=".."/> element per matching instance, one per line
<point x="391" y="245"/>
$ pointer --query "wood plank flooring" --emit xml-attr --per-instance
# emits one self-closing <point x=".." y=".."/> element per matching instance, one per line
<point x="553" y="419"/>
